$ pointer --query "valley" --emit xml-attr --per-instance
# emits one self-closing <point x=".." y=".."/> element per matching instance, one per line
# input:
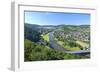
<point x="56" y="42"/>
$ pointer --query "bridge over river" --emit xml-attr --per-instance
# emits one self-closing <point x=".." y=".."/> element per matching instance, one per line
<point x="57" y="46"/>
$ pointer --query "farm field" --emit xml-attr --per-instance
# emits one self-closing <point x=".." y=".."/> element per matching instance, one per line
<point x="46" y="37"/>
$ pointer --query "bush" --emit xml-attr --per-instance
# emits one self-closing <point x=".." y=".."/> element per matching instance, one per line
<point x="37" y="52"/>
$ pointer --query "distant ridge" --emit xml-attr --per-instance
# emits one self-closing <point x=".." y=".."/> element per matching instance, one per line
<point x="61" y="25"/>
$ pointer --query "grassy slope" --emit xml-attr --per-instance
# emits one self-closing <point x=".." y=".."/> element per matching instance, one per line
<point x="46" y="37"/>
<point x="67" y="47"/>
<point x="82" y="44"/>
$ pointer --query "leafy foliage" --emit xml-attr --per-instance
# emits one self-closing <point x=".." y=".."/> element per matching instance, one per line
<point x="36" y="52"/>
<point x="31" y="34"/>
<point x="37" y="45"/>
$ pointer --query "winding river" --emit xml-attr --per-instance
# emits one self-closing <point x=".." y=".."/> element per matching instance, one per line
<point x="53" y="44"/>
<point x="56" y="46"/>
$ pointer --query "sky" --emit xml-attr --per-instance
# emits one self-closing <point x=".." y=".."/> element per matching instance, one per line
<point x="56" y="18"/>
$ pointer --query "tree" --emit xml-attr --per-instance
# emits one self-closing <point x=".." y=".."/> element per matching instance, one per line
<point x="32" y="34"/>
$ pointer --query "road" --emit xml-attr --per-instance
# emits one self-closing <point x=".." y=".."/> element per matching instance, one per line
<point x="79" y="51"/>
<point x="56" y="46"/>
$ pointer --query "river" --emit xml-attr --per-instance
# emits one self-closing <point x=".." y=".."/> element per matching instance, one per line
<point x="53" y="44"/>
<point x="56" y="46"/>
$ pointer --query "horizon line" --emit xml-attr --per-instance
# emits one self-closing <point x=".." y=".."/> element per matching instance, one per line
<point x="56" y="24"/>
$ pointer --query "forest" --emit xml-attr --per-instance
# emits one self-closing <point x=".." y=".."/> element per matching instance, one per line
<point x="52" y="42"/>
